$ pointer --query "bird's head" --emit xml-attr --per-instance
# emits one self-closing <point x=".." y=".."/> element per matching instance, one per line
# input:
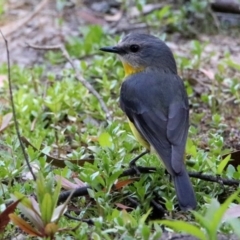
<point x="139" y="51"/>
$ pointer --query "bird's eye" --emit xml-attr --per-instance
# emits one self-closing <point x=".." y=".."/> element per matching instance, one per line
<point x="134" y="48"/>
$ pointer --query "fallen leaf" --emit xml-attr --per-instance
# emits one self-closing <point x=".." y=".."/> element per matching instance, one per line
<point x="24" y="225"/>
<point x="5" y="121"/>
<point x="90" y="17"/>
<point x="66" y="184"/>
<point x="148" y="8"/>
<point x="232" y="212"/>
<point x="210" y="74"/>
<point x="123" y="183"/>
<point x="4" y="218"/>
<point x="121" y="206"/>
<point x="114" y="18"/>
<point x="3" y="78"/>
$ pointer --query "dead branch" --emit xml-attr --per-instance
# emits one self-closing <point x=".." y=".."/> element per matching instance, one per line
<point x="82" y="191"/>
<point x="232" y="6"/>
<point x="78" y="76"/>
<point x="13" y="109"/>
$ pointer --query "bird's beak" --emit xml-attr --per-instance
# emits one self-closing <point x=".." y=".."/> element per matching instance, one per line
<point x="113" y="49"/>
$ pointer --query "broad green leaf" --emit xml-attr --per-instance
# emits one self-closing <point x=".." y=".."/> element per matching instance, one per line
<point x="40" y="188"/>
<point x="191" y="148"/>
<point x="203" y="221"/>
<point x="145" y="216"/>
<point x="211" y="209"/>
<point x="217" y="218"/>
<point x="184" y="227"/>
<point x="233" y="64"/>
<point x="223" y="164"/>
<point x="105" y="140"/>
<point x="55" y="194"/>
<point x="235" y="223"/>
<point x="46" y="208"/>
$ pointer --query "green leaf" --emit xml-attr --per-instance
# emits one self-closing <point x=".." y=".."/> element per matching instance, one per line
<point x="203" y="221"/>
<point x="55" y="194"/>
<point x="145" y="216"/>
<point x="232" y="64"/>
<point x="235" y="223"/>
<point x="105" y="140"/>
<point x="191" y="148"/>
<point x="217" y="218"/>
<point x="223" y="164"/>
<point x="40" y="188"/>
<point x="185" y="227"/>
<point x="46" y="208"/>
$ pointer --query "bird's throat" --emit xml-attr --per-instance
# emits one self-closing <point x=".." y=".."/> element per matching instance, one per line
<point x="129" y="69"/>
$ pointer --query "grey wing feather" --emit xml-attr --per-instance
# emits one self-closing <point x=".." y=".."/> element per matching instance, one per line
<point x="177" y="131"/>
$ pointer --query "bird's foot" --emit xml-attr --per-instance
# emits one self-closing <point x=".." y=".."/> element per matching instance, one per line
<point x="132" y="163"/>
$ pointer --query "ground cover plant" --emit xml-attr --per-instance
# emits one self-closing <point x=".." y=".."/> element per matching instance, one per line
<point x="78" y="142"/>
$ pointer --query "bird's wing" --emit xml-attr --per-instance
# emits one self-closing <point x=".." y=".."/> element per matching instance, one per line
<point x="158" y="107"/>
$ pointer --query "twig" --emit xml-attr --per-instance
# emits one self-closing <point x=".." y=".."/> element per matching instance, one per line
<point x="133" y="201"/>
<point x="217" y="179"/>
<point x="78" y="76"/>
<point x="14" y="111"/>
<point x="78" y="192"/>
<point x="199" y="175"/>
<point x="88" y="221"/>
<point x="158" y="207"/>
<point x="83" y="191"/>
<point x="132" y="171"/>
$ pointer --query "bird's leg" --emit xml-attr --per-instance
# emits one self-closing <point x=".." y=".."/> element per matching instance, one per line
<point x="132" y="163"/>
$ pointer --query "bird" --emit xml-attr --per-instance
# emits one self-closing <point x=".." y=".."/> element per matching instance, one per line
<point x="155" y="101"/>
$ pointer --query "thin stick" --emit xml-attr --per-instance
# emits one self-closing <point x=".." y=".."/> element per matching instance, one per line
<point x="78" y="76"/>
<point x="14" y="111"/>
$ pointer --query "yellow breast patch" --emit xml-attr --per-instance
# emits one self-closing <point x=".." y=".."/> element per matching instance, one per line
<point x="129" y="69"/>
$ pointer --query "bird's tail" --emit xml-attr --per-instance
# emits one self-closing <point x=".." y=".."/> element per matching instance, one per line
<point x="184" y="190"/>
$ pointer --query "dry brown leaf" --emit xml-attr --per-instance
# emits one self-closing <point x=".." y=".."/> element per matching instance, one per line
<point x="3" y="78"/>
<point x="5" y="121"/>
<point x="122" y="206"/>
<point x="114" y="18"/>
<point x="4" y="218"/>
<point x="66" y="184"/>
<point x="123" y="183"/>
<point x="210" y="74"/>
<point x="148" y="8"/>
<point x="90" y="17"/>
<point x="232" y="212"/>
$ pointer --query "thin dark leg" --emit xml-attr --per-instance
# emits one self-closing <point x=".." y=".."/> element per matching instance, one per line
<point x="132" y="163"/>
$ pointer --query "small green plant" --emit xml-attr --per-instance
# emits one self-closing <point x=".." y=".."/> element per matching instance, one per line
<point x="44" y="215"/>
<point x="208" y="224"/>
